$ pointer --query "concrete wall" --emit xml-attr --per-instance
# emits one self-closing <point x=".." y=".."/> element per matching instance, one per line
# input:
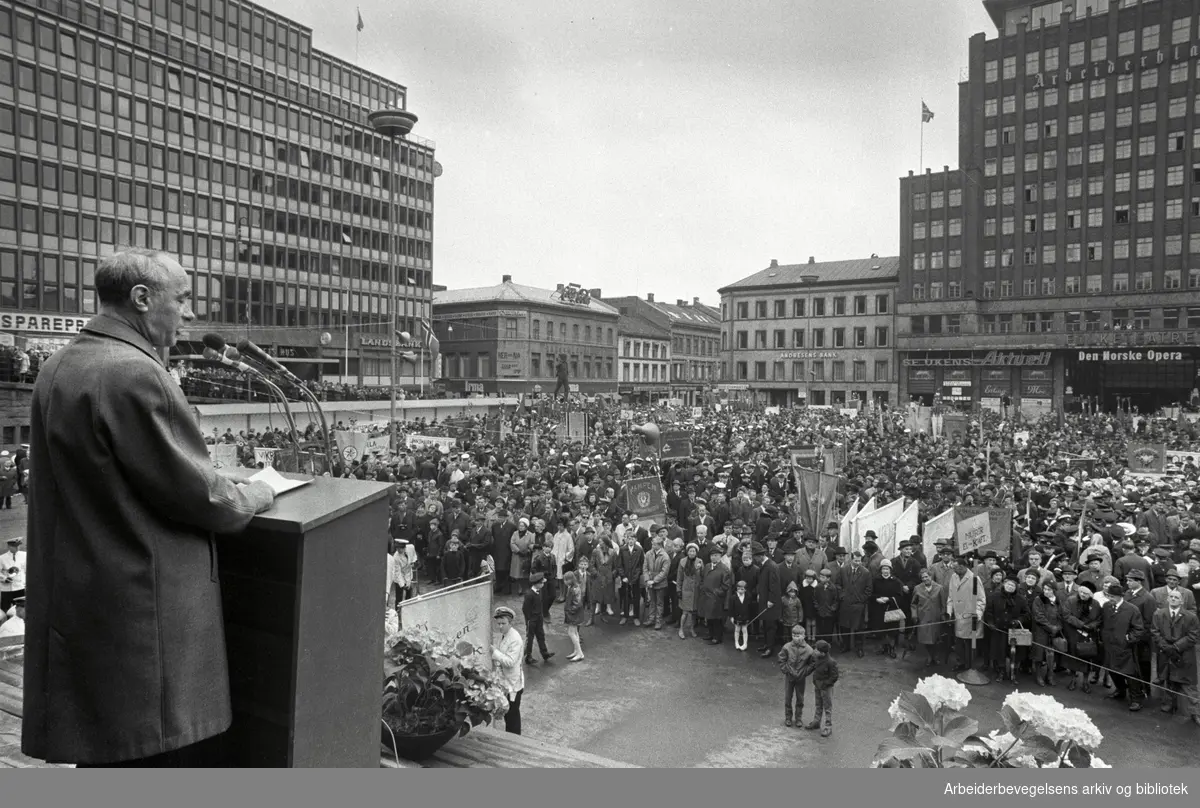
<point x="256" y="416"/>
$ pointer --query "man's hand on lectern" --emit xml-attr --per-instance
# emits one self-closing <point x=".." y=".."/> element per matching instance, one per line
<point x="260" y="493"/>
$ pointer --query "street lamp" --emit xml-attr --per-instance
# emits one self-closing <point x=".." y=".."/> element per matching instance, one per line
<point x="393" y="124"/>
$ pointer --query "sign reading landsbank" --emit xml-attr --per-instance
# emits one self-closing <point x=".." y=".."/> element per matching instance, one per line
<point x="1006" y="358"/>
<point x="31" y="323"/>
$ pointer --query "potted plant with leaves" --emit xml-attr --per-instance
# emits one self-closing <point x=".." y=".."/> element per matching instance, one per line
<point x="434" y="690"/>
<point x="929" y="730"/>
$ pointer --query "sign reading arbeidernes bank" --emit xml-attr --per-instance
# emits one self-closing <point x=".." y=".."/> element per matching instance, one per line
<point x="32" y="323"/>
<point x="1129" y="64"/>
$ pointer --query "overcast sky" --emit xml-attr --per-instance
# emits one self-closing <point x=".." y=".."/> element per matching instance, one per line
<point x="666" y="146"/>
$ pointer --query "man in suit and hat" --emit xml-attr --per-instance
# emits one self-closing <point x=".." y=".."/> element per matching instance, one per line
<point x="770" y="598"/>
<point x="965" y="601"/>
<point x="1162" y="593"/>
<point x="1121" y="629"/>
<point x="1130" y="561"/>
<point x="1139" y="597"/>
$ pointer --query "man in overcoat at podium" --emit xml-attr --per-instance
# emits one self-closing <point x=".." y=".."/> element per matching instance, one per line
<point x="125" y="661"/>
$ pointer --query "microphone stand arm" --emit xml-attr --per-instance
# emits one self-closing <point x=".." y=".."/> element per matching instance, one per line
<point x="308" y="394"/>
<point x="287" y="410"/>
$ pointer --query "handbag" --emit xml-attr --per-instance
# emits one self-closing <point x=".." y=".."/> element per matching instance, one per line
<point x="1086" y="649"/>
<point x="1059" y="644"/>
<point x="894" y="615"/>
<point x="1020" y="636"/>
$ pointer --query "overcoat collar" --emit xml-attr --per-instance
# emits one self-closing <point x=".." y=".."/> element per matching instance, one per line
<point x="109" y="326"/>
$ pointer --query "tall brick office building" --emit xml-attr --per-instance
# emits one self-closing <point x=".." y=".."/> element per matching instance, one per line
<point x="1061" y="260"/>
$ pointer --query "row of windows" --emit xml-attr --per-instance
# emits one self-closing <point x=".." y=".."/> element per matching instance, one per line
<point x="1094" y="49"/>
<point x="1095" y="154"/>
<point x="799" y="307"/>
<point x="639" y="348"/>
<point x="104" y="230"/>
<point x="361" y="89"/>
<point x="1069" y="321"/>
<point x="700" y="346"/>
<point x="779" y="338"/>
<point x="53" y="282"/>
<point x="1073" y="285"/>
<point x="1121" y="183"/>
<point x="1143" y="212"/>
<point x="1091" y="251"/>
<point x="592" y="367"/>
<point x="935" y="200"/>
<point x="1094" y="89"/>
<point x="643" y="372"/>
<point x="815" y="372"/>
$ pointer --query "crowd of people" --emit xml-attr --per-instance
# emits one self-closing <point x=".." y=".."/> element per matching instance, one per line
<point x="1116" y="608"/>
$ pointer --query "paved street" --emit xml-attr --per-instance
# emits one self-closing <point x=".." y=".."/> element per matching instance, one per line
<point x="649" y="698"/>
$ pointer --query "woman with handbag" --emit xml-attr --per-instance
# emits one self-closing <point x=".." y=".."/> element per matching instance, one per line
<point x="1047" y="633"/>
<point x="1006" y="610"/>
<point x="885" y="615"/>
<point x="1081" y="625"/>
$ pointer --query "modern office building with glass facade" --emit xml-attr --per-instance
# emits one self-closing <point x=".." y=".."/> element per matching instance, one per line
<point x="210" y="129"/>
<point x="1061" y="261"/>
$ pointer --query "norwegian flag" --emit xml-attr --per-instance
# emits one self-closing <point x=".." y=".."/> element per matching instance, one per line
<point x="926" y="113"/>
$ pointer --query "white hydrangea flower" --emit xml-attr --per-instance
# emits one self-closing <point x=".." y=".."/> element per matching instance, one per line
<point x="939" y="691"/>
<point x="894" y="712"/>
<point x="1052" y="719"/>
<point x="1097" y="763"/>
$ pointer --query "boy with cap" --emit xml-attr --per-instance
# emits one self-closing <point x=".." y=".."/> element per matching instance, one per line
<point x="506" y="662"/>
<point x="825" y="674"/>
<point x="535" y="626"/>
<point x="793" y="660"/>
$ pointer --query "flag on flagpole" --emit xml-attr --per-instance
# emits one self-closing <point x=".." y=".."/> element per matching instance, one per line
<point x="360" y="27"/>
<point x="926" y="113"/>
<point x="433" y="346"/>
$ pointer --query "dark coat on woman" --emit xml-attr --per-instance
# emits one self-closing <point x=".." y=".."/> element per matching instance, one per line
<point x="1081" y="620"/>
<point x="1121" y="628"/>
<point x="1047" y="624"/>
<point x="890" y="588"/>
<point x="1005" y="611"/>
<point x="715" y="583"/>
<point x="125" y="651"/>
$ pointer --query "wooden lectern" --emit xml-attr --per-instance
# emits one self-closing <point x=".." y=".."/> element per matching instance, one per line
<point x="303" y="596"/>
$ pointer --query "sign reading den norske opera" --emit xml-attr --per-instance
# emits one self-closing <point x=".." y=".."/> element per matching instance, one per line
<point x="1132" y="356"/>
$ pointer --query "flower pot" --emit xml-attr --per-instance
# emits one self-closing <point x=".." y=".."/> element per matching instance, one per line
<point x="417" y="747"/>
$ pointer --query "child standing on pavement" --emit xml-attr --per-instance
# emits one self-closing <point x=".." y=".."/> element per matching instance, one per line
<point x="792" y="613"/>
<point x="795" y="657"/>
<point x="824" y="671"/>
<point x="741" y="608"/>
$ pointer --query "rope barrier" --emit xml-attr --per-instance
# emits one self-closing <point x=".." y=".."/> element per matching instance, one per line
<point x="1099" y="666"/>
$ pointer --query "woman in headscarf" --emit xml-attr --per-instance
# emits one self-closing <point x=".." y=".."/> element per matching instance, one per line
<point x="886" y="594"/>
<point x="1081" y="621"/>
<point x="687" y="584"/>
<point x="1047" y="624"/>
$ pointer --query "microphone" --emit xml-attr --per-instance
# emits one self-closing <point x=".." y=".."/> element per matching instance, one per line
<point x="263" y="358"/>
<point x="216" y="350"/>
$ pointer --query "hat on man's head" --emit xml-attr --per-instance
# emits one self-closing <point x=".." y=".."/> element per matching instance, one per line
<point x="757" y="549"/>
<point x="1173" y="573"/>
<point x="1115" y="590"/>
<point x="536" y="577"/>
<point x="1136" y="575"/>
<point x="16" y="540"/>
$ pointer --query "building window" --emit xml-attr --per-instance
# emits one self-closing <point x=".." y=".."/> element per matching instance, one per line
<point x="860" y="337"/>
<point x="797" y="337"/>
<point x="1006" y="288"/>
<point x="1194" y="278"/>
<point x="760" y="340"/>
<point x="1143" y="281"/>
<point x="741" y="371"/>
<point x="918" y="292"/>
<point x="818" y="337"/>
<point x="760" y="371"/>
<point x="839" y="306"/>
<point x="881" y="336"/>
<point x="780" y="338"/>
<point x="1171" y="318"/>
<point x="742" y="337"/>
<point x="1120" y="282"/>
<point x="839" y="338"/>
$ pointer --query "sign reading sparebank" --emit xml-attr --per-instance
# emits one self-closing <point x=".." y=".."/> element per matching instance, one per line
<point x="32" y="323"/>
